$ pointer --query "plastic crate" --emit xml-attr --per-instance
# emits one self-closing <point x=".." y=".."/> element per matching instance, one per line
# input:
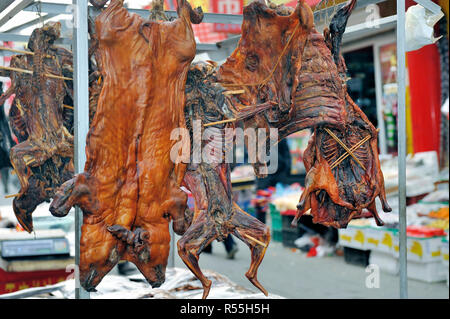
<point x="275" y="217"/>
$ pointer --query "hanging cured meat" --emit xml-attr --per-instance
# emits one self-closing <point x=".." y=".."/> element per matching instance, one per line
<point x="343" y="170"/>
<point x="130" y="188"/>
<point x="43" y="158"/>
<point x="6" y="142"/>
<point x="208" y="178"/>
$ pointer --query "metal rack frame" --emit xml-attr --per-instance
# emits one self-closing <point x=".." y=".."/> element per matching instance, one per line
<point x="80" y="11"/>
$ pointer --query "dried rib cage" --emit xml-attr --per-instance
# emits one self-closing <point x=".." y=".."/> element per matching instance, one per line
<point x="312" y="96"/>
<point x="216" y="215"/>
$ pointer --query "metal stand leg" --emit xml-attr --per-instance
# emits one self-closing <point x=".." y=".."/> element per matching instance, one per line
<point x="401" y="95"/>
<point x="81" y="120"/>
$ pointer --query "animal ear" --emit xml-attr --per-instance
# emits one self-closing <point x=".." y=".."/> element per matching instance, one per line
<point x="305" y="15"/>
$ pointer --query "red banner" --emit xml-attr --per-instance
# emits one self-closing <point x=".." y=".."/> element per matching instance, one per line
<point x="227" y="7"/>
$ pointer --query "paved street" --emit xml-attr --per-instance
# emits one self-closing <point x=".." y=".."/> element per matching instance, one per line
<point x="290" y="274"/>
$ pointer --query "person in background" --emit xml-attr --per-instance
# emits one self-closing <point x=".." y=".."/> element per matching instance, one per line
<point x="230" y="247"/>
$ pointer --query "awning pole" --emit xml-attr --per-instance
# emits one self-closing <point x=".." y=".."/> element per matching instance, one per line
<point x="81" y="116"/>
<point x="401" y="96"/>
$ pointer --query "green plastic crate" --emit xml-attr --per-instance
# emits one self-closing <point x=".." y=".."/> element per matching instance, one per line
<point x="276" y="218"/>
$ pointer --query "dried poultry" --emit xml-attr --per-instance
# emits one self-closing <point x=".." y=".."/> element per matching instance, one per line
<point x="282" y="58"/>
<point x="208" y="178"/>
<point x="43" y="158"/>
<point x="130" y="189"/>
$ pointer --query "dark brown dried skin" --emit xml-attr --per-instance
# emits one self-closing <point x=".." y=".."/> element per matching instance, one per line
<point x="318" y="98"/>
<point x="37" y="118"/>
<point x="265" y="35"/>
<point x="130" y="189"/>
<point x="216" y="215"/>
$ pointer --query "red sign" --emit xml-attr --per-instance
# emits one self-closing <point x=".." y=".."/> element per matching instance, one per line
<point x="227" y="7"/>
<point x="14" y="281"/>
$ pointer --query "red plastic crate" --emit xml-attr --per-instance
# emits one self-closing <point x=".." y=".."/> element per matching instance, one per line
<point x="422" y="231"/>
<point x="289" y="212"/>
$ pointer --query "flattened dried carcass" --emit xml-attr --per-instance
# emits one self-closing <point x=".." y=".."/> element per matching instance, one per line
<point x="130" y="189"/>
<point x="208" y="178"/>
<point x="311" y="93"/>
<point x="43" y="158"/>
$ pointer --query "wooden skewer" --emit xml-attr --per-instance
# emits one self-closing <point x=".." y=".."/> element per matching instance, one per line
<point x="15" y="50"/>
<point x="219" y="122"/>
<point x="31" y="161"/>
<point x="13" y="195"/>
<point x="68" y="106"/>
<point x="22" y="51"/>
<point x="256" y="240"/>
<point x="345" y="147"/>
<point x="31" y="72"/>
<point x="344" y="156"/>
<point x="234" y="92"/>
<point x="356" y="146"/>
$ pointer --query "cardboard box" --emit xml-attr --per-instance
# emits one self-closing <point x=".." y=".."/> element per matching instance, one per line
<point x="353" y="237"/>
<point x="421" y="249"/>
<point x="444" y="251"/>
<point x="380" y="239"/>
<point x="386" y="261"/>
<point x="427" y="271"/>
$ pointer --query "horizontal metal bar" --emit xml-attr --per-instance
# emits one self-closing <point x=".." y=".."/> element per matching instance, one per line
<point x="24" y="38"/>
<point x="433" y="7"/>
<point x="207" y="47"/>
<point x="20" y="27"/>
<point x="365" y="3"/>
<point x="58" y="8"/>
<point x="15" y="9"/>
<point x="358" y="31"/>
<point x="327" y="12"/>
<point x="5" y="4"/>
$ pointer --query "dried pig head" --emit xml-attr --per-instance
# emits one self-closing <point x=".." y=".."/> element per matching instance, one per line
<point x="267" y="62"/>
<point x="130" y="189"/>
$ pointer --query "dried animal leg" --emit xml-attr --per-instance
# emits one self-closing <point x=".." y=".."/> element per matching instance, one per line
<point x="257" y="237"/>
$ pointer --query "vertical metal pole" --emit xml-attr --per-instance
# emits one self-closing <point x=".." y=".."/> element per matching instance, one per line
<point x="81" y="120"/>
<point x="401" y="95"/>
<point x="379" y="99"/>
<point x="171" y="260"/>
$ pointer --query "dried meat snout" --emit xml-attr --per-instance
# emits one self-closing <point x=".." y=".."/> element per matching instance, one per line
<point x="130" y="189"/>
